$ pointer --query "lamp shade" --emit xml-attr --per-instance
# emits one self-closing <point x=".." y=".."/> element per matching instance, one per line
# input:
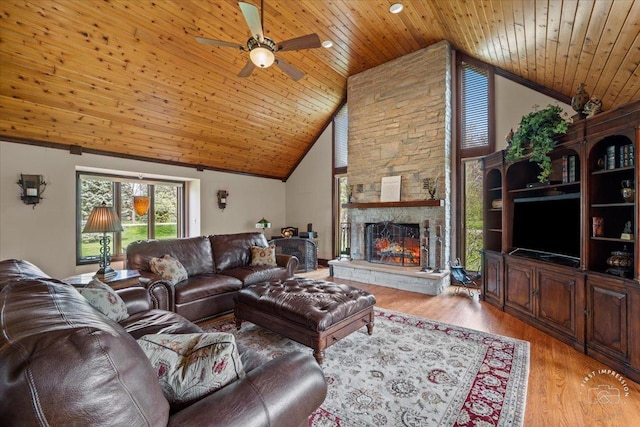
<point x="262" y="57"/>
<point x="103" y="219"/>
<point x="263" y="223"/>
<point x="141" y="204"/>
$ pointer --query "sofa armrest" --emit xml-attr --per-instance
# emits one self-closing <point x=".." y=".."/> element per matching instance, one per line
<point x="282" y="392"/>
<point x="289" y="262"/>
<point x="160" y="291"/>
<point x="136" y="298"/>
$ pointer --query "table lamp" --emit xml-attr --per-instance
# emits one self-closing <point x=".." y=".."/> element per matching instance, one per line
<point x="103" y="219"/>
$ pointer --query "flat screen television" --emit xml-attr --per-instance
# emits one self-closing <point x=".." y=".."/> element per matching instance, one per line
<point x="547" y="227"/>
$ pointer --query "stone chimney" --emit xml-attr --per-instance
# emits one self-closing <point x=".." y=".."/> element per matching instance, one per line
<point x="400" y="117"/>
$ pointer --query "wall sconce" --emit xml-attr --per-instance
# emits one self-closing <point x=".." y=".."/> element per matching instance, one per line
<point x="32" y="188"/>
<point x="222" y="199"/>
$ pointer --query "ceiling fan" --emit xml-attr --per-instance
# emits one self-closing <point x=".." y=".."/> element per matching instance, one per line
<point x="262" y="49"/>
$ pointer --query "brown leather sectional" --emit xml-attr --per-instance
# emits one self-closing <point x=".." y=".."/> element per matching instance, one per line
<point x="64" y="363"/>
<point x="218" y="267"/>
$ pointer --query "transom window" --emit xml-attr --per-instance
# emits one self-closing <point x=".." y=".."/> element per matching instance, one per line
<point x="164" y="218"/>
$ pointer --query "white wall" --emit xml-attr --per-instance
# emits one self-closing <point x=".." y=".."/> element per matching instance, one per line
<point x="309" y="192"/>
<point x="46" y="235"/>
<point x="514" y="101"/>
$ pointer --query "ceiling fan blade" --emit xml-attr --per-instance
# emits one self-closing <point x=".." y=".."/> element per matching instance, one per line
<point x="219" y="43"/>
<point x="247" y="70"/>
<point x="289" y="69"/>
<point x="252" y="16"/>
<point x="310" y="41"/>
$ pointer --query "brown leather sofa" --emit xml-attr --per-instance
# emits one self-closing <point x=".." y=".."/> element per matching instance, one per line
<point x="218" y="266"/>
<point x="64" y="363"/>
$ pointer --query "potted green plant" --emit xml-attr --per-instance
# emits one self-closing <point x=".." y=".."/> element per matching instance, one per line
<point x="535" y="137"/>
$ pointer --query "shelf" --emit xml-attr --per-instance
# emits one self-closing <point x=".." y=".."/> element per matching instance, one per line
<point x="604" y="171"/>
<point x="409" y="204"/>
<point x="546" y="187"/>
<point x="613" y="239"/>
<point x="566" y="196"/>
<point x="612" y="205"/>
<point x="496" y="230"/>
<point x="495" y="210"/>
<point x="494" y="189"/>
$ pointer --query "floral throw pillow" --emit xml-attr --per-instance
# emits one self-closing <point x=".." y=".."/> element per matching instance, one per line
<point x="190" y="366"/>
<point x="263" y="256"/>
<point x="104" y="299"/>
<point x="169" y="269"/>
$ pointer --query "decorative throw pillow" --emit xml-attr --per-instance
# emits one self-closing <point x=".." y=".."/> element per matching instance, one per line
<point x="190" y="366"/>
<point x="263" y="256"/>
<point x="169" y="269"/>
<point x="104" y="299"/>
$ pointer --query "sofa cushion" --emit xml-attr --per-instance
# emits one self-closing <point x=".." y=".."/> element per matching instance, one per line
<point x="190" y="366"/>
<point x="263" y="256"/>
<point x="194" y="253"/>
<point x="257" y="274"/>
<point x="63" y="361"/>
<point x="234" y="250"/>
<point x="158" y="322"/>
<point x="168" y="268"/>
<point x="104" y="299"/>
<point x="205" y="285"/>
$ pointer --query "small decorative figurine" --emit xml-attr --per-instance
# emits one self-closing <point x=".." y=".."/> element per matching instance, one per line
<point x="509" y="136"/>
<point x="593" y="107"/>
<point x="578" y="102"/>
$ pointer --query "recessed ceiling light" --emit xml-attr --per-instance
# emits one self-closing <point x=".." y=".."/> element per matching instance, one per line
<point x="396" y="8"/>
<point x="327" y="44"/>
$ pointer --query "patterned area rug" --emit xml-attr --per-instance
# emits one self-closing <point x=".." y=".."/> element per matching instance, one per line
<point x="412" y="372"/>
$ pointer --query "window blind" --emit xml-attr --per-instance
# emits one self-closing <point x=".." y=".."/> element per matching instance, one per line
<point x="341" y="137"/>
<point x="474" y="120"/>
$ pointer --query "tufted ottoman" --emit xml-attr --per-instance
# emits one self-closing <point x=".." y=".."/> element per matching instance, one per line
<point x="314" y="313"/>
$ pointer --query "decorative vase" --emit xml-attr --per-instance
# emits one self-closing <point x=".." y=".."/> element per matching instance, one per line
<point x="628" y="192"/>
<point x="578" y="102"/>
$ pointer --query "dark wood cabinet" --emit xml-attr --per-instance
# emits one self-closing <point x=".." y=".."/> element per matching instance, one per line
<point x="492" y="278"/>
<point x="567" y="285"/>
<point x="607" y="324"/>
<point x="519" y="286"/>
<point x="547" y="295"/>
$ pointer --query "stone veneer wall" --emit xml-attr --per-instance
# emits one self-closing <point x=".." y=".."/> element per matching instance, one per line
<point x="400" y="124"/>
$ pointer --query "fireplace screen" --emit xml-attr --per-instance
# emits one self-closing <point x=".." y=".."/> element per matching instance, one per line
<point x="394" y="244"/>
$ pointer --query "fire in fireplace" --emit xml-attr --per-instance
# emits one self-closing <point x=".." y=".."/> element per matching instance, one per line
<point x="393" y="244"/>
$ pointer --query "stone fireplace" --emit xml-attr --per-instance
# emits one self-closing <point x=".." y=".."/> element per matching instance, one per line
<point x="400" y="117"/>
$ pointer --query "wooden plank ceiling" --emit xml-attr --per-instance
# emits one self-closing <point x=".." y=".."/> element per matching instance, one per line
<point x="128" y="77"/>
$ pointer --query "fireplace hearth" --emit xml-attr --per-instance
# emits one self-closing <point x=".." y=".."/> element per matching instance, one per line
<point x="393" y="244"/>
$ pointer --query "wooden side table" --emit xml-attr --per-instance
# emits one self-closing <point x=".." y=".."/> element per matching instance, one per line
<point x="122" y="279"/>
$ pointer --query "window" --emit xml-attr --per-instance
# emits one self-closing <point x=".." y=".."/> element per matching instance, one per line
<point x="475" y="138"/>
<point x="163" y="220"/>
<point x="476" y="106"/>
<point x="341" y="138"/>
<point x="340" y="187"/>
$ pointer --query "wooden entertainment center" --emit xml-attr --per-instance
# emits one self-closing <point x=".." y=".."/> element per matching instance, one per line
<point x="545" y="262"/>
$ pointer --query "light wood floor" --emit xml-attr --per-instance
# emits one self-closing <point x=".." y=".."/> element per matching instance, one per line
<point x="557" y="394"/>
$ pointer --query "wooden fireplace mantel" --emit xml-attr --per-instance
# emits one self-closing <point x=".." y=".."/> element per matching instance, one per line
<point x="407" y="204"/>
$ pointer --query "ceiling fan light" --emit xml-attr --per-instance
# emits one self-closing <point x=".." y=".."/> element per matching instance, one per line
<point x="262" y="57"/>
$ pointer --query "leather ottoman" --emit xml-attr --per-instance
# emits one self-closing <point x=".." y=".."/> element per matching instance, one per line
<point x="314" y="313"/>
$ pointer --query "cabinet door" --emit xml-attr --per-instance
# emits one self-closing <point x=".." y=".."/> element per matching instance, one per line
<point x="556" y="298"/>
<point x="492" y="276"/>
<point x="607" y="320"/>
<point x="519" y="287"/>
